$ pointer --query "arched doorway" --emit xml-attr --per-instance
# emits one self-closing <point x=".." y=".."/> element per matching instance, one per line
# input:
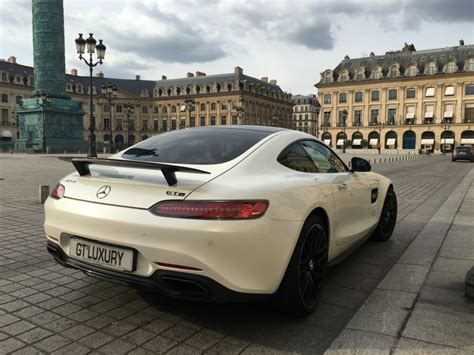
<point x="467" y="138"/>
<point x="409" y="140"/>
<point x="357" y="138"/>
<point x="391" y="140"/>
<point x="373" y="140"/>
<point x="447" y="141"/>
<point x="340" y="139"/>
<point x="428" y="141"/>
<point x="326" y="138"/>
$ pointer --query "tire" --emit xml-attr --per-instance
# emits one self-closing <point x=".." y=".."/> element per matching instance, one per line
<point x="388" y="218"/>
<point x="303" y="282"/>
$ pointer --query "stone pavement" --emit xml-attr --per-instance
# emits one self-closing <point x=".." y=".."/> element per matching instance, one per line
<point x="50" y="309"/>
<point x="420" y="306"/>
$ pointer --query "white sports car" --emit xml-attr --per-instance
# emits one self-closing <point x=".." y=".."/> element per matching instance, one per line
<point x="220" y="214"/>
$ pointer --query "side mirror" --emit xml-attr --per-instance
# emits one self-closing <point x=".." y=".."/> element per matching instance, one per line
<point x="359" y="164"/>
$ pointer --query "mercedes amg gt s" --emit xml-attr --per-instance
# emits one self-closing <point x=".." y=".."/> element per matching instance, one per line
<point x="220" y="214"/>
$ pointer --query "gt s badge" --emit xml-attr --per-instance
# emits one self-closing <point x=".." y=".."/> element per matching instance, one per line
<point x="175" y="193"/>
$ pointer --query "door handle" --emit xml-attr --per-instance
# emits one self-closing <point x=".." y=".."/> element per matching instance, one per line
<point x="341" y="186"/>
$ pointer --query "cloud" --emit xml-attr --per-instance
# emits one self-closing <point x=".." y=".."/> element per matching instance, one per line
<point x="445" y="11"/>
<point x="316" y="35"/>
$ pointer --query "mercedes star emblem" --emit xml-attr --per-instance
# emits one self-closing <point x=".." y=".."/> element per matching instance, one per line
<point x="103" y="191"/>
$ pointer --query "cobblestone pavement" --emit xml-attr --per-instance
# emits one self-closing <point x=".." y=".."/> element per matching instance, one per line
<point x="47" y="308"/>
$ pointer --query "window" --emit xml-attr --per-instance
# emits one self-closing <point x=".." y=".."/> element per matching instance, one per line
<point x="164" y="123"/>
<point x="5" y="116"/>
<point x="118" y="108"/>
<point x="327" y="98"/>
<point x="4" y="97"/>
<point x="173" y="124"/>
<point x="391" y="117"/>
<point x="328" y="78"/>
<point x="451" y="67"/>
<point x="358" y="96"/>
<point x="375" y="95"/>
<point x="327" y="118"/>
<point x="431" y="68"/>
<point x="411" y="93"/>
<point x="213" y="120"/>
<point x="449" y="91"/>
<point x="374" y="116"/>
<point x="358" y="118"/>
<point x="213" y="106"/>
<point x="469" y="90"/>
<point x="430" y="92"/>
<point x="469" y="113"/>
<point x="155" y="109"/>
<point x="197" y="146"/>
<point x="223" y="120"/>
<point x="144" y="125"/>
<point x="377" y="73"/>
<point x="392" y="94"/>
<point x="202" y="121"/>
<point x="192" y="121"/>
<point x="360" y="75"/>
<point x="234" y="119"/>
<point x="393" y="71"/>
<point x="4" y="77"/>
<point x="106" y="123"/>
<point x="344" y="76"/>
<point x="411" y="71"/>
<point x="165" y="109"/>
<point x="311" y="157"/>
<point x="342" y="98"/>
<point x="410" y="115"/>
<point x="223" y="106"/>
<point x="155" y="125"/>
<point x="118" y="124"/>
<point x="203" y="107"/>
<point x="173" y="108"/>
<point x="106" y="108"/>
<point x="341" y="122"/>
<point x="469" y="65"/>
<point x="448" y="112"/>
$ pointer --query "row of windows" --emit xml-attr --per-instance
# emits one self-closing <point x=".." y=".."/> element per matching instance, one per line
<point x="393" y="94"/>
<point x="394" y="71"/>
<point x="306" y="117"/>
<point x="17" y="79"/>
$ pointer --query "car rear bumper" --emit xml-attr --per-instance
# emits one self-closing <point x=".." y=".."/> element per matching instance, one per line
<point x="170" y="283"/>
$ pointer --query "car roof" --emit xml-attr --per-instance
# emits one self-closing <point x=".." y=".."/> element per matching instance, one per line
<point x="248" y="128"/>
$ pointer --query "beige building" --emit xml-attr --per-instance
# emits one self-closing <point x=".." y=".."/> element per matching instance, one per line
<point x="158" y="105"/>
<point x="305" y="113"/>
<point x="404" y="99"/>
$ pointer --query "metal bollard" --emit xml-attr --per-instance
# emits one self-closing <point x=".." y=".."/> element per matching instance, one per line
<point x="43" y="193"/>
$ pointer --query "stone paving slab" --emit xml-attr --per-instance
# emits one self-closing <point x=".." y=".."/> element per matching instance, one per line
<point x="72" y="312"/>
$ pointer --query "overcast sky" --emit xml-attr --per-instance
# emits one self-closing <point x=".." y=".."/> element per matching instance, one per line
<point x="291" y="41"/>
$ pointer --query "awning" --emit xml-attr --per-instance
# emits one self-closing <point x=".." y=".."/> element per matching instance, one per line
<point x="7" y="134"/>
<point x="327" y="141"/>
<point x="391" y="141"/>
<point x="429" y="114"/>
<point x="427" y="141"/>
<point x="448" y="114"/>
<point x="467" y="140"/>
<point x="430" y="92"/>
<point x="447" y="140"/>
<point x="357" y="142"/>
<point x="340" y="142"/>
<point x="373" y="141"/>
<point x="410" y="115"/>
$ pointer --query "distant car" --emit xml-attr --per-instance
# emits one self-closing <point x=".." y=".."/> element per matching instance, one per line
<point x="463" y="153"/>
<point x="219" y="214"/>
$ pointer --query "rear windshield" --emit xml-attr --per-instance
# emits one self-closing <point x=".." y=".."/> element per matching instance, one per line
<point x="196" y="146"/>
<point x="463" y="149"/>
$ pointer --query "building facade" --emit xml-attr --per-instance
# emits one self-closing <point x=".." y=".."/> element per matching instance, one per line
<point x="157" y="106"/>
<point x="404" y="99"/>
<point x="305" y="113"/>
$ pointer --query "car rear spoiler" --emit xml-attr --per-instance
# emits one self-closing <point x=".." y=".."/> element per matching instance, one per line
<point x="168" y="170"/>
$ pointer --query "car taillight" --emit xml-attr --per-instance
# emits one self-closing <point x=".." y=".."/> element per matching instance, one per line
<point x="58" y="192"/>
<point x="230" y="210"/>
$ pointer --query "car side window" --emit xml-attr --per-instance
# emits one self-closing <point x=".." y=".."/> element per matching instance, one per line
<point x="324" y="159"/>
<point x="296" y="158"/>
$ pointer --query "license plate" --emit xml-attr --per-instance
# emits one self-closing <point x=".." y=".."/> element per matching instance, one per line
<point x="108" y="256"/>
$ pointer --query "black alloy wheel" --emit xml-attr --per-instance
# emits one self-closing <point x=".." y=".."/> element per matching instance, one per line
<point x="388" y="218"/>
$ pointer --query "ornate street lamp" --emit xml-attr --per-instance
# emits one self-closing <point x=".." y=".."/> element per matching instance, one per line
<point x="128" y="113"/>
<point x="92" y="46"/>
<point x="344" y="119"/>
<point x="188" y="106"/>
<point x="43" y="100"/>
<point x="240" y="112"/>
<point x="445" y="124"/>
<point x="380" y="126"/>
<point x="110" y="94"/>
<point x="316" y="123"/>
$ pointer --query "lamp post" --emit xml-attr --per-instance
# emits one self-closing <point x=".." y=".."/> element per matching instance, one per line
<point x="240" y="112"/>
<point x="110" y="94"/>
<point x="128" y="113"/>
<point x="445" y="125"/>
<point x="344" y="118"/>
<point x="316" y="123"/>
<point x="43" y="100"/>
<point x="92" y="46"/>
<point x="188" y="106"/>
<point x="380" y="126"/>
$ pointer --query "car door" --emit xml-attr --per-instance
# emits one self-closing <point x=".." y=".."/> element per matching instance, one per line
<point x="350" y="193"/>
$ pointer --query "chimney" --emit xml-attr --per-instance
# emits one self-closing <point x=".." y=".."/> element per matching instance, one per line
<point x="163" y="77"/>
<point x="12" y="59"/>
<point x="461" y="43"/>
<point x="137" y="77"/>
<point x="238" y="70"/>
<point x="200" y="73"/>
<point x="189" y="75"/>
<point x="100" y="74"/>
<point x="273" y="82"/>
<point x="74" y="72"/>
<point x="264" y="78"/>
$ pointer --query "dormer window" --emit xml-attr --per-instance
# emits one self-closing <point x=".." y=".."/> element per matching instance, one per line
<point x="468" y="67"/>
<point x="328" y="78"/>
<point x="431" y="68"/>
<point x="360" y="74"/>
<point x="412" y="70"/>
<point x="344" y="76"/>
<point x="377" y="73"/>
<point x="394" y="73"/>
<point x="450" y="67"/>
